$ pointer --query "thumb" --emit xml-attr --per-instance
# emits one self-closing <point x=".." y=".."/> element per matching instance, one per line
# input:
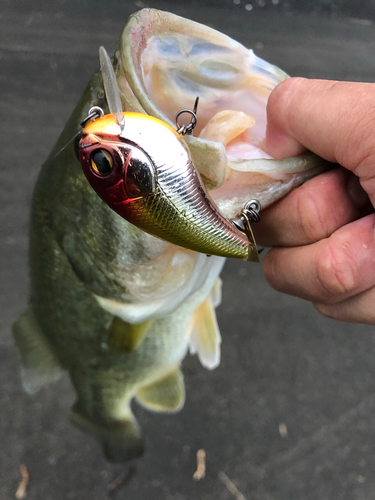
<point x="335" y="120"/>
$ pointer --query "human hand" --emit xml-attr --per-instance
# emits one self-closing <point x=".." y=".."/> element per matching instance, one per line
<point x="323" y="233"/>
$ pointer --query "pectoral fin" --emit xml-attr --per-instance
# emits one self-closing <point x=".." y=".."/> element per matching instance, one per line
<point x="39" y="365"/>
<point x="166" y="394"/>
<point x="125" y="337"/>
<point x="205" y="337"/>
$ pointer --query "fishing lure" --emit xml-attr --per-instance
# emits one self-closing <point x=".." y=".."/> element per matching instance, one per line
<point x="141" y="167"/>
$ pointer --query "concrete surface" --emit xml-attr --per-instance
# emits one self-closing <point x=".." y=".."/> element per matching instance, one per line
<point x="282" y="363"/>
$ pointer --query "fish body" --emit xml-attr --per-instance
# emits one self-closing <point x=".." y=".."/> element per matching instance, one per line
<point x="111" y="304"/>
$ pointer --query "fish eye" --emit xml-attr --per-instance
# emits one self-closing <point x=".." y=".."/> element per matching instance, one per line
<point x="140" y="175"/>
<point x="101" y="161"/>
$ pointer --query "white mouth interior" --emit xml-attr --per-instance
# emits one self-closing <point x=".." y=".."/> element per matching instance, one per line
<point x="177" y="68"/>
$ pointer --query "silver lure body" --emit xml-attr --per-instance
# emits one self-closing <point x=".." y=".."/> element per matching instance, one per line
<point x="154" y="185"/>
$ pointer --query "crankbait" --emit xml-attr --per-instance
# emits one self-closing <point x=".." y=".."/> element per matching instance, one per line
<point x="141" y="167"/>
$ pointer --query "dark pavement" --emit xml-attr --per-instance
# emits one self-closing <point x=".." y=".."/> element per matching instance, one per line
<point x="290" y="413"/>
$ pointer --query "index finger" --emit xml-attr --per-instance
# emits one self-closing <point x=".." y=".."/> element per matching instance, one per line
<point x="335" y="120"/>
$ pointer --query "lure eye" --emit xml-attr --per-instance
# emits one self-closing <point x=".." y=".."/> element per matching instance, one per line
<point x="101" y="162"/>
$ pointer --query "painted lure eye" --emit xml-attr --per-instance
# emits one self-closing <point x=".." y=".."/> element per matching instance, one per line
<point x="101" y="162"/>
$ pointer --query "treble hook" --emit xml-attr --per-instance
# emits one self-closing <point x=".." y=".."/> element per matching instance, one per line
<point x="94" y="113"/>
<point x="250" y="213"/>
<point x="187" y="129"/>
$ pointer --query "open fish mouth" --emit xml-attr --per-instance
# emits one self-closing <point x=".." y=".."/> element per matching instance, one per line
<point x="166" y="61"/>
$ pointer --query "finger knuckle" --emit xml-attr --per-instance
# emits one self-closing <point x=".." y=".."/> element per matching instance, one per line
<point x="325" y="309"/>
<point x="336" y="272"/>
<point x="271" y="269"/>
<point x="355" y="147"/>
<point x="312" y="220"/>
<point x="356" y="153"/>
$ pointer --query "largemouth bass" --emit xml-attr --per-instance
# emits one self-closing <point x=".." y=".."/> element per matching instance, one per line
<point x="114" y="306"/>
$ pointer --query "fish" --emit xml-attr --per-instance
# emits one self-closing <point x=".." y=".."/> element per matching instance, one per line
<point x="114" y="306"/>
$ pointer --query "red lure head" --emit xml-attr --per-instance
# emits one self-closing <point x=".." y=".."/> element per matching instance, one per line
<point x="118" y="170"/>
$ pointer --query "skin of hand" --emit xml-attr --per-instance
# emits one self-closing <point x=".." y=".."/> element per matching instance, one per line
<point x="323" y="234"/>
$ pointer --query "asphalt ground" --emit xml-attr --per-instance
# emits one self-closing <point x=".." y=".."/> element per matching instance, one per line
<point x="289" y="414"/>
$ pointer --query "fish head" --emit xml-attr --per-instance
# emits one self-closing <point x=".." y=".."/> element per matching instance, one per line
<point x="156" y="180"/>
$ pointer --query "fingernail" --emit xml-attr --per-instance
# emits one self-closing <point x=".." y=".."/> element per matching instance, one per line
<point x="356" y="192"/>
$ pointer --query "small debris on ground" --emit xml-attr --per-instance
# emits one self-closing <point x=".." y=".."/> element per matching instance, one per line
<point x="21" y="490"/>
<point x="140" y="4"/>
<point x="361" y="479"/>
<point x="121" y="480"/>
<point x="231" y="486"/>
<point x="201" y="466"/>
<point x="361" y="22"/>
<point x="283" y="431"/>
